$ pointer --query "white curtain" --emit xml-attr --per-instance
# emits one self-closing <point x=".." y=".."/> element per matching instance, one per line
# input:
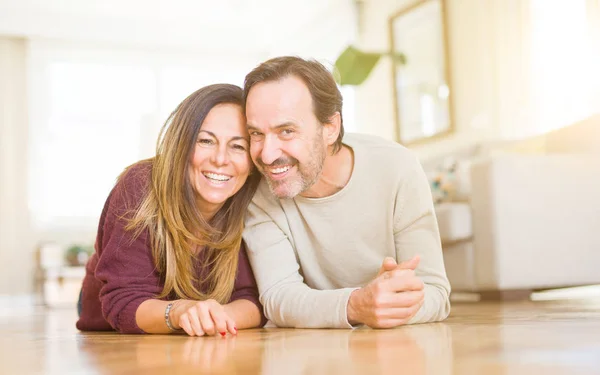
<point x="16" y="247"/>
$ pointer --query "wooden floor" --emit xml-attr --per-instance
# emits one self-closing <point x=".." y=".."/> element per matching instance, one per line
<point x="548" y="337"/>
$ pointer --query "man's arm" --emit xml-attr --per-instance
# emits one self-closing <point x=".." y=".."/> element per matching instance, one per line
<point x="287" y="300"/>
<point x="416" y="232"/>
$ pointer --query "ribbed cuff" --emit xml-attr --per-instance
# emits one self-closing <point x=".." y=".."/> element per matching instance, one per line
<point x="343" y="309"/>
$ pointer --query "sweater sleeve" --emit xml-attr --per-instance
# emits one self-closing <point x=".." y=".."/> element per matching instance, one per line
<point x="416" y="232"/>
<point x="287" y="300"/>
<point x="245" y="284"/>
<point x="125" y="267"/>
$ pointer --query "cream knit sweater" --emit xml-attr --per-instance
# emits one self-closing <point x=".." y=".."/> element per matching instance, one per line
<point x="308" y="254"/>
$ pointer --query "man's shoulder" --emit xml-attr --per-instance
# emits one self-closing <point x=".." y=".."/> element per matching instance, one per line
<point x="264" y="200"/>
<point x="264" y="207"/>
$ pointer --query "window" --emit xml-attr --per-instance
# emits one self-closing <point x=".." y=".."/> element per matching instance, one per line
<point x="563" y="71"/>
<point x="94" y="112"/>
<point x="90" y="132"/>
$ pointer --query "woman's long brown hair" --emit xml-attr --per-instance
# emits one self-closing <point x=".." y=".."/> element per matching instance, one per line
<point x="170" y="214"/>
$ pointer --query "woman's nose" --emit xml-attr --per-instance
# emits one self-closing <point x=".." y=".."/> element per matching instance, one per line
<point x="220" y="156"/>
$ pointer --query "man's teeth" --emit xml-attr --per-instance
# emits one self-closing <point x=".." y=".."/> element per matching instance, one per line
<point x="280" y="170"/>
<point x="217" y="177"/>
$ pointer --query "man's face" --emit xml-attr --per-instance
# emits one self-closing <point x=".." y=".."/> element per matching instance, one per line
<point x="286" y="139"/>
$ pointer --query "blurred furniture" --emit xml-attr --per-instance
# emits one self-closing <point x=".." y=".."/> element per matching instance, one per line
<point x="57" y="284"/>
<point x="532" y="220"/>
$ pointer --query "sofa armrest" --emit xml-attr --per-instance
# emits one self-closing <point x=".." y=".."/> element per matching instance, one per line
<point x="536" y="221"/>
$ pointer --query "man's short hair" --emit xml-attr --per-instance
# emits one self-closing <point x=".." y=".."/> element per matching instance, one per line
<point x="326" y="97"/>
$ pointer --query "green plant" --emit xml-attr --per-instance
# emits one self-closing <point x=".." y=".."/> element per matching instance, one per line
<point x="78" y="255"/>
<point x="354" y="66"/>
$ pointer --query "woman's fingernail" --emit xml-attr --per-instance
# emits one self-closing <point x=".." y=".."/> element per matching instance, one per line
<point x="223" y="334"/>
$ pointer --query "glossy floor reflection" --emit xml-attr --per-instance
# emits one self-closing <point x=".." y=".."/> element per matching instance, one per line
<point x="544" y="337"/>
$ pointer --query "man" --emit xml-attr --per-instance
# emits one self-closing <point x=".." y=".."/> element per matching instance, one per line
<point x="334" y="214"/>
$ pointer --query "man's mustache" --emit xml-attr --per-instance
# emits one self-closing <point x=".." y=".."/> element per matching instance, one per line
<point x="278" y="162"/>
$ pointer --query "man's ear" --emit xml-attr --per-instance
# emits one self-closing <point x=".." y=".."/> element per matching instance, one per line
<point x="331" y="129"/>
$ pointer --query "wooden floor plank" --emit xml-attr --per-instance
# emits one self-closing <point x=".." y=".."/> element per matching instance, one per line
<point x="543" y="337"/>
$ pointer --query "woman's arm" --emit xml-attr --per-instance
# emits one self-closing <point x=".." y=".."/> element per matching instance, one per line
<point x="150" y="316"/>
<point x="198" y="318"/>
<point x="125" y="270"/>
<point x="245" y="313"/>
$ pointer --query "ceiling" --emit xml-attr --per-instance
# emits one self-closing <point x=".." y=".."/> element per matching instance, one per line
<point x="246" y="26"/>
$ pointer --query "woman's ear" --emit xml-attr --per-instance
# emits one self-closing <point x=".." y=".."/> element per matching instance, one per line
<point x="331" y="129"/>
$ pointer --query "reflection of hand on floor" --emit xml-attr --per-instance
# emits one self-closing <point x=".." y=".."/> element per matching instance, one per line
<point x="388" y="352"/>
<point x="415" y="349"/>
<point x="207" y="353"/>
<point x="201" y="354"/>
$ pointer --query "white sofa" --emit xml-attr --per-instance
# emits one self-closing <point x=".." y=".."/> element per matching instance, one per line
<point x="532" y="220"/>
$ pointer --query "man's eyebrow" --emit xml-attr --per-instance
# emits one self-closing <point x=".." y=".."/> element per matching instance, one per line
<point x="276" y="127"/>
<point x="251" y="127"/>
<point x="285" y="125"/>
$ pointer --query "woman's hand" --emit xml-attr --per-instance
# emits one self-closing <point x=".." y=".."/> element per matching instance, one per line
<point x="200" y="318"/>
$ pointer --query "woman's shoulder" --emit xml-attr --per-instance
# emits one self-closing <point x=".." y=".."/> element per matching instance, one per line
<point x="133" y="183"/>
<point x="136" y="175"/>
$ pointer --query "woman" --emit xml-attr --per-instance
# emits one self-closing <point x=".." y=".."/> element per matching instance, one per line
<point x="169" y="252"/>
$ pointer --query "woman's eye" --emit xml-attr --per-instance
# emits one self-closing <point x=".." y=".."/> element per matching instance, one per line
<point x="205" y="141"/>
<point x="239" y="147"/>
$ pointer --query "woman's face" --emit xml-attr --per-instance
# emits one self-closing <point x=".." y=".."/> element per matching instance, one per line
<point x="221" y="161"/>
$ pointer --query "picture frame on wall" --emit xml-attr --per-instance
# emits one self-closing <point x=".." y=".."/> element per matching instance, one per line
<point x="421" y="79"/>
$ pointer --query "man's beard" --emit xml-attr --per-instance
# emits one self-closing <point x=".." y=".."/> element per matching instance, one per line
<point x="307" y="173"/>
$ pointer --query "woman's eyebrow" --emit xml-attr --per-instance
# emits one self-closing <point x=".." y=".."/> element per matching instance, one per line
<point x="209" y="133"/>
<point x="234" y="138"/>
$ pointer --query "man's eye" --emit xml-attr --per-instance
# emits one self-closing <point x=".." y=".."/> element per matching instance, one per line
<point x="287" y="131"/>
<point x="255" y="134"/>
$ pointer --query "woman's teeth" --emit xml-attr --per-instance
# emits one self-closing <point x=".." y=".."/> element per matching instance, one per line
<point x="217" y="177"/>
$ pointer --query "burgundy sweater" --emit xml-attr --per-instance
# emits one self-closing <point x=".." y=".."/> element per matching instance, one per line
<point x="121" y="274"/>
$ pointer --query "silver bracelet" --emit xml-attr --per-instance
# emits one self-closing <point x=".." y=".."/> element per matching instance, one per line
<point x="168" y="318"/>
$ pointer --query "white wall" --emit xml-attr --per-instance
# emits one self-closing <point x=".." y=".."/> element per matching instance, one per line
<point x="218" y="35"/>
<point x="16" y="243"/>
<point x="494" y="58"/>
<point x="476" y="75"/>
<point x="324" y="38"/>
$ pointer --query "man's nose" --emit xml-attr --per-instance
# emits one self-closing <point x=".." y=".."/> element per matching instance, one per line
<point x="271" y="150"/>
